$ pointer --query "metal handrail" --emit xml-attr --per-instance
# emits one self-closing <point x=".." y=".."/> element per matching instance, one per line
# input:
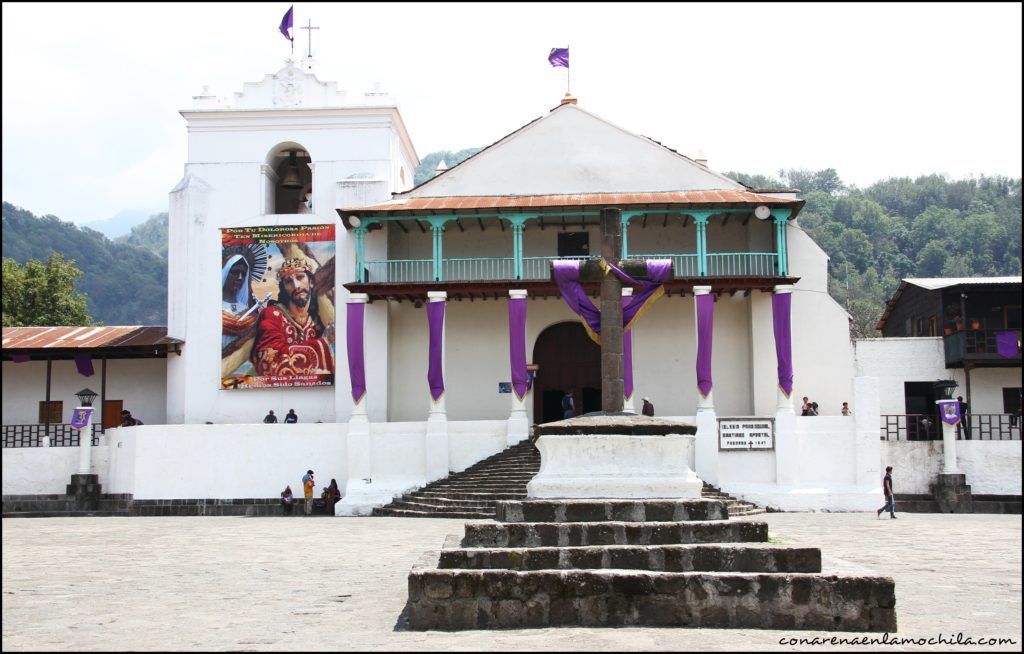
<point x="60" y="435"/>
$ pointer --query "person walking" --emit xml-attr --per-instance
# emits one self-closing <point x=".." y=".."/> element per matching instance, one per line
<point x="307" y="489"/>
<point x="890" y="500"/>
<point x="648" y="409"/>
<point x="291" y="418"/>
<point x="568" y="405"/>
<point x="270" y="418"/>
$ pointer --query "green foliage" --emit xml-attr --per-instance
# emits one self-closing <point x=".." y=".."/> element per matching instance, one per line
<point x="151" y="235"/>
<point x="125" y="284"/>
<point x="41" y="294"/>
<point x="428" y="164"/>
<point x="901" y="227"/>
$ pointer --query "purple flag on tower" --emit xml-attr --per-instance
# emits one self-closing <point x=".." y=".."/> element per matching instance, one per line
<point x="559" y="57"/>
<point x="286" y="23"/>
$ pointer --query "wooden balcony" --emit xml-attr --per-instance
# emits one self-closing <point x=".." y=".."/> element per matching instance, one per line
<point x="978" y="348"/>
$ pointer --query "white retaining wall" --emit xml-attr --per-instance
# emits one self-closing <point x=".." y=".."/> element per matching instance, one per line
<point x="992" y="467"/>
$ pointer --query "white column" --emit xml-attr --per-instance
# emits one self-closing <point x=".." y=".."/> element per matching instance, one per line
<point x="85" y="447"/>
<point x="628" y="405"/>
<point x="867" y="417"/>
<point x="359" y="497"/>
<point x="436" y="461"/>
<point x="787" y="450"/>
<point x="518" y="420"/>
<point x="706" y="450"/>
<point x="949" y="466"/>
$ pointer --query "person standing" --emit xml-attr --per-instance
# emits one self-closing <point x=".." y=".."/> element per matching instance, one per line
<point x="806" y="407"/>
<point x="291" y="418"/>
<point x="846" y="409"/>
<point x="648" y="409"/>
<point x="963" y="428"/>
<point x="890" y="500"/>
<point x="270" y="418"/>
<point x="568" y="405"/>
<point x="307" y="489"/>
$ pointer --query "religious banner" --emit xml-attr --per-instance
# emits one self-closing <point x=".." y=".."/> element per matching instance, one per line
<point x="277" y="306"/>
<point x="781" y="304"/>
<point x="435" y="368"/>
<point x="80" y="417"/>
<point x="949" y="411"/>
<point x="1008" y="344"/>
<point x="517" y="345"/>
<point x="705" y="319"/>
<point x="354" y="341"/>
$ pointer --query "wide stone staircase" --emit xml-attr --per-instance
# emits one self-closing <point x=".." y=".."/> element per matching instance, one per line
<point x="617" y="563"/>
<point x="475" y="492"/>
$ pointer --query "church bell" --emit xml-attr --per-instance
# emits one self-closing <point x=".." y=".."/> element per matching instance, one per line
<point x="292" y="179"/>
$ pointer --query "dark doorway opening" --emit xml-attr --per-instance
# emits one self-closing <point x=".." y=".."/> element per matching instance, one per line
<point x="567" y="360"/>
<point x="573" y="244"/>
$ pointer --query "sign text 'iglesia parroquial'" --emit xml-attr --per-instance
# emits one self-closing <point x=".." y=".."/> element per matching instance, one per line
<point x="746" y="433"/>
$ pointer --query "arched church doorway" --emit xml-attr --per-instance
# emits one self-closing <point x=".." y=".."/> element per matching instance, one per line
<point x="567" y="360"/>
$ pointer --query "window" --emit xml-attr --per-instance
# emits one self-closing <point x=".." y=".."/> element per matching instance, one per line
<point x="56" y="410"/>
<point x="909" y="328"/>
<point x="920" y="327"/>
<point x="1011" y="400"/>
<point x="933" y="325"/>
<point x="573" y="244"/>
<point x="1011" y="314"/>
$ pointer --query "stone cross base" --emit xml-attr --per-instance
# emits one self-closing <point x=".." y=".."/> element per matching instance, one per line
<point x="952" y="494"/>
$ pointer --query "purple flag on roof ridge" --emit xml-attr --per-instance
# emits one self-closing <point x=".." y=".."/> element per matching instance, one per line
<point x="286" y="23"/>
<point x="559" y="57"/>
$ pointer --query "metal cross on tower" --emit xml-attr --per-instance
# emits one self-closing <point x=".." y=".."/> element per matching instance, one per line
<point x="309" y="32"/>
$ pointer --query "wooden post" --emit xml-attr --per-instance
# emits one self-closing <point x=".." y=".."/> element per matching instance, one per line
<point x="46" y="417"/>
<point x="611" y="315"/>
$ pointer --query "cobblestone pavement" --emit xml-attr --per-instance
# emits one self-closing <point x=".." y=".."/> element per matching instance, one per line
<point x="340" y="584"/>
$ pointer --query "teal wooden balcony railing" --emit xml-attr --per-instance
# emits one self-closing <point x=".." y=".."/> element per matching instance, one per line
<point x="725" y="264"/>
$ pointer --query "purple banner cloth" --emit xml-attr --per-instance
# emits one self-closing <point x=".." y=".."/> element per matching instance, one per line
<point x="517" y="345"/>
<point x="80" y="417"/>
<point x="949" y="411"/>
<point x="559" y="57"/>
<point x="567" y="276"/>
<point x="21" y="358"/>
<point x="354" y="341"/>
<point x="781" y="304"/>
<point x="435" y="369"/>
<point x="84" y="364"/>
<point x="286" y="23"/>
<point x="627" y="358"/>
<point x="1008" y="344"/>
<point x="705" y="322"/>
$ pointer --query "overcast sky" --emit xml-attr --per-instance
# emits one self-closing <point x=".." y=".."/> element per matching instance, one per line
<point x="91" y="92"/>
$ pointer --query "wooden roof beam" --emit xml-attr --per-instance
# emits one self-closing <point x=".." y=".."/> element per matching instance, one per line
<point x="481" y="221"/>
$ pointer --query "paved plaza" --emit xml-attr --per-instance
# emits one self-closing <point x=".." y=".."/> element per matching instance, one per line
<point x="340" y="584"/>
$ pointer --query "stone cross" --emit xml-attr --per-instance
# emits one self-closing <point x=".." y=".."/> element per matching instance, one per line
<point x="309" y="33"/>
<point x="612" y="384"/>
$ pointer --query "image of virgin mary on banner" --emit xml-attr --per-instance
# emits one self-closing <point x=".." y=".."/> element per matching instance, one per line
<point x="277" y="306"/>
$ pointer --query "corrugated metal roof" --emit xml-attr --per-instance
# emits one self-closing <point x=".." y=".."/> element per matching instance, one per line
<point x="456" y="203"/>
<point x="84" y="338"/>
<point x="932" y="283"/>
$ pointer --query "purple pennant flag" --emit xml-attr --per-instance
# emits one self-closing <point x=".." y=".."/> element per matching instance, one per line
<point x="84" y="364"/>
<point x="781" y="303"/>
<point x="286" y="23"/>
<point x="354" y="340"/>
<point x="949" y="411"/>
<point x="517" y="345"/>
<point x="559" y="57"/>
<point x="435" y="372"/>
<point x="1008" y="344"/>
<point x="705" y="320"/>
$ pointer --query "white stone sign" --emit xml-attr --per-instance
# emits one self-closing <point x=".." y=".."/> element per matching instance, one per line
<point x="746" y="434"/>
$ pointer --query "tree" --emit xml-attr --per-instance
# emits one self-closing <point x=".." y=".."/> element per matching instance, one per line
<point x="43" y="294"/>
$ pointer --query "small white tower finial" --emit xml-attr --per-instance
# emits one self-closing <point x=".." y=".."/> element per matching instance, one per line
<point x="441" y="167"/>
<point x="701" y="159"/>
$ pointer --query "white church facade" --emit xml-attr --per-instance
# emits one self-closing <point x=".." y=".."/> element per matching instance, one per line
<point x="293" y="155"/>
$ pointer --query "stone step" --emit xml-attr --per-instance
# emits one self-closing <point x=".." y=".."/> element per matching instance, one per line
<point x="398" y="513"/>
<point x="445" y="501"/>
<point x="665" y="558"/>
<point x="570" y="534"/>
<point x="66" y="514"/>
<point x="487" y="599"/>
<point x="464" y="495"/>
<point x="423" y="506"/>
<point x="1008" y="508"/>
<point x="610" y="510"/>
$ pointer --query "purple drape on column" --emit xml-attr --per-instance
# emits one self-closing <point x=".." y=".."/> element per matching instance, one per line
<point x="781" y="303"/>
<point x="705" y="321"/>
<point x="627" y="360"/>
<point x="435" y="371"/>
<point x="84" y="364"/>
<point x="567" y="276"/>
<point x="1007" y="344"/>
<point x="517" y="344"/>
<point x="354" y="340"/>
